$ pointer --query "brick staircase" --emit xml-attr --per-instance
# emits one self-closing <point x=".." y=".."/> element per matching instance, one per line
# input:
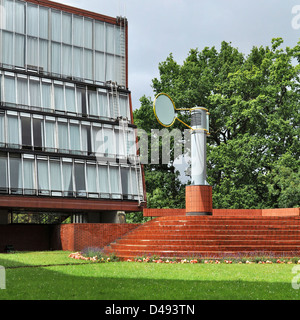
<point x="211" y="236"/>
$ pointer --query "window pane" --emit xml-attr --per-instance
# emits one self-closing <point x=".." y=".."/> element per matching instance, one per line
<point x="44" y="17"/>
<point x="26" y="131"/>
<point x="32" y="51"/>
<point x="78" y="31"/>
<point x="79" y="179"/>
<point x="67" y="28"/>
<point x="63" y="136"/>
<point x="78" y="62"/>
<point x="74" y="137"/>
<point x="7" y="45"/>
<point x="103" y="104"/>
<point x="88" y="64"/>
<point x="103" y="179"/>
<point x="100" y="66"/>
<point x="20" y="17"/>
<point x="32" y="21"/>
<point x="35" y="93"/>
<point x="46" y="93"/>
<point x="68" y="178"/>
<point x="43" y="178"/>
<point x="3" y="173"/>
<point x="15" y="174"/>
<point x="28" y="170"/>
<point x="59" y="98"/>
<point x="13" y="131"/>
<point x="93" y="106"/>
<point x="86" y="139"/>
<point x="88" y="33"/>
<point x="124" y="107"/>
<point x="19" y="50"/>
<point x="109" y="143"/>
<point x="134" y="182"/>
<point x="56" y="58"/>
<point x="126" y="181"/>
<point x="56" y="25"/>
<point x="114" y="180"/>
<point x="91" y="178"/>
<point x="10" y="90"/>
<point x="55" y="175"/>
<point x="38" y="132"/>
<point x="50" y="135"/>
<point x="2" y="131"/>
<point x="99" y="36"/>
<point x="9" y="15"/>
<point x="70" y="99"/>
<point x="22" y="91"/>
<point x="43" y="55"/>
<point x="110" y="67"/>
<point x="67" y="60"/>
<point x="110" y="40"/>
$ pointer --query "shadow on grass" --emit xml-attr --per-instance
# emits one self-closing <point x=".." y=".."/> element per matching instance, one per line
<point x="101" y="282"/>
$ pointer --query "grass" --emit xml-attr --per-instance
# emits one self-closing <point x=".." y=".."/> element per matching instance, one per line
<point x="54" y="276"/>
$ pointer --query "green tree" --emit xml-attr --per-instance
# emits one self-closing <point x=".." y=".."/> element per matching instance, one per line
<point x="253" y="149"/>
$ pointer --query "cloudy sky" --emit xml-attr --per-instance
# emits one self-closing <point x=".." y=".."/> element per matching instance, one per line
<point x="159" y="27"/>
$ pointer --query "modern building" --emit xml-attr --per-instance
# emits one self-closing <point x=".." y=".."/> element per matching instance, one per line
<point x="67" y="138"/>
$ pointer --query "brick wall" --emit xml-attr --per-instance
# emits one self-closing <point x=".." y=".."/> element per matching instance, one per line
<point x="67" y="237"/>
<point x="76" y="237"/>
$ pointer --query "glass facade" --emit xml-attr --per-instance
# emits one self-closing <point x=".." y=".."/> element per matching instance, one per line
<point x="65" y="118"/>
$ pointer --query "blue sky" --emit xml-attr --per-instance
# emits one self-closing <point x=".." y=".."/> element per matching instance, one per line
<point x="159" y="27"/>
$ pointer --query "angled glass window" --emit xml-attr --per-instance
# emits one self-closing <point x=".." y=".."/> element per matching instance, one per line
<point x="15" y="175"/>
<point x="3" y="173"/>
<point x="9" y="89"/>
<point x="98" y="140"/>
<point x="22" y="87"/>
<point x="109" y="142"/>
<point x="81" y="101"/>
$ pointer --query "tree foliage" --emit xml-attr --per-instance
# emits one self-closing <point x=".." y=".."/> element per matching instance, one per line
<point x="253" y="150"/>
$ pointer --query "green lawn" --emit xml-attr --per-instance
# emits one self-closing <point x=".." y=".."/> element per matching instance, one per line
<point x="54" y="276"/>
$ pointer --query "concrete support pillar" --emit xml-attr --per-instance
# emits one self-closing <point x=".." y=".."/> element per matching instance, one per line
<point x="198" y="200"/>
